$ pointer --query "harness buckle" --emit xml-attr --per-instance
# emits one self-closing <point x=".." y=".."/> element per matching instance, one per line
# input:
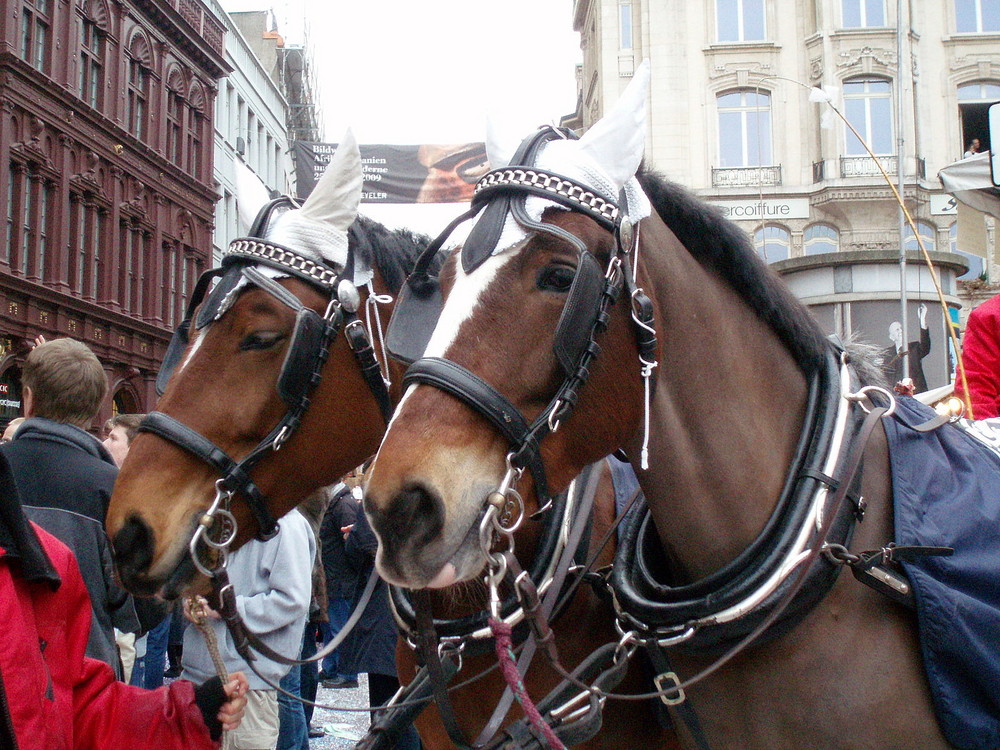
<point x="668" y="683"/>
<point x="280" y="439"/>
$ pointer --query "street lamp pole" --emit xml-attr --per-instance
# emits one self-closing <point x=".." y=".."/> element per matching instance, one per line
<point x="900" y="151"/>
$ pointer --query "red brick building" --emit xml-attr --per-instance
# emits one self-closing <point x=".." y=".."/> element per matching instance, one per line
<point x="106" y="138"/>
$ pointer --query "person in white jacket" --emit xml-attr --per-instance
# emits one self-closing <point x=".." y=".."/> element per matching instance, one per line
<point x="273" y="584"/>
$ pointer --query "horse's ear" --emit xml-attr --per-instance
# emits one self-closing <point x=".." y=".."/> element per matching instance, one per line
<point x="337" y="194"/>
<point x="500" y="145"/>
<point x="251" y="196"/>
<point x="618" y="140"/>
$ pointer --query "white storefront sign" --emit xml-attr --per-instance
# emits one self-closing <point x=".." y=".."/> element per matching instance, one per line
<point x="766" y="209"/>
<point x="943" y="204"/>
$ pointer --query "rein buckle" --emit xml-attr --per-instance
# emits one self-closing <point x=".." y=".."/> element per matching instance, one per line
<point x="668" y="683"/>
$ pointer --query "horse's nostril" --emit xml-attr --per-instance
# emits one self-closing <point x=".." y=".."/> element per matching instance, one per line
<point x="414" y="517"/>
<point x="133" y="547"/>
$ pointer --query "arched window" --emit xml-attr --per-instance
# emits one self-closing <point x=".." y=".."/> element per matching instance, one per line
<point x="859" y="14"/>
<point x="821" y="238"/>
<point x="175" y="116"/>
<point x="195" y="129"/>
<point x="868" y="107"/>
<point x="139" y="62"/>
<point x="739" y="20"/>
<point x="744" y="129"/>
<point x="977" y="264"/>
<point x="928" y="233"/>
<point x="977" y="16"/>
<point x="772" y="242"/>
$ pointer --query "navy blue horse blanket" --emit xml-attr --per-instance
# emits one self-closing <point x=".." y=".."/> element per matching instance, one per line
<point x="947" y="493"/>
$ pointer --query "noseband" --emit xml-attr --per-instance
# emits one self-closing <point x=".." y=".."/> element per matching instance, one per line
<point x="301" y="371"/>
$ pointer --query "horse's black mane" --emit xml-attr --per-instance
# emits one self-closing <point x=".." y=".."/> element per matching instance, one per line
<point x="722" y="246"/>
<point x="392" y="251"/>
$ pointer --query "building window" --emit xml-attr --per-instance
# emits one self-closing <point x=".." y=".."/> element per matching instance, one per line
<point x="138" y="95"/>
<point x="772" y="242"/>
<point x="41" y="254"/>
<point x="175" y="127"/>
<point x="820" y="238"/>
<point x="974" y="101"/>
<point x="196" y="124"/>
<point x="977" y="16"/>
<point x="91" y="62"/>
<point x="625" y="25"/>
<point x="170" y="293"/>
<point x="13" y="180"/>
<point x="744" y="129"/>
<point x="927" y="233"/>
<point x="35" y="34"/>
<point x="860" y="14"/>
<point x="868" y="107"/>
<point x="740" y="20"/>
<point x="27" y="225"/>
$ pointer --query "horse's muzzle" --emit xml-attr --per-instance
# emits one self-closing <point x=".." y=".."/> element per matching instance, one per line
<point x="132" y="548"/>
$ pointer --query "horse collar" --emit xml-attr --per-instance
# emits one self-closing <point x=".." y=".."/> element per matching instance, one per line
<point x="729" y="604"/>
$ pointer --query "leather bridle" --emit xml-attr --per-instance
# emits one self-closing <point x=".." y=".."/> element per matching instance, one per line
<point x="302" y="370"/>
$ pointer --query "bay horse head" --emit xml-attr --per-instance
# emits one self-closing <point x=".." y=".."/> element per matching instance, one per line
<point x="500" y="387"/>
<point x="272" y="389"/>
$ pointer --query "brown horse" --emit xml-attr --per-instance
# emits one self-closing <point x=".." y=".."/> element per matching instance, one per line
<point x="223" y="385"/>
<point x="726" y="404"/>
<point x="224" y="388"/>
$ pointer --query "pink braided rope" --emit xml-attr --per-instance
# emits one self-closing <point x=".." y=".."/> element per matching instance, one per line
<point x="508" y="666"/>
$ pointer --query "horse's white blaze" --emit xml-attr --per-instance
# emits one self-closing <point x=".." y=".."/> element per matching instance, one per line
<point x="194" y="347"/>
<point x="463" y="298"/>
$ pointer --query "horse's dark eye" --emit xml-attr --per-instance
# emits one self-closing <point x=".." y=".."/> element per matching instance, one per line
<point x="555" y="278"/>
<point x="260" y="340"/>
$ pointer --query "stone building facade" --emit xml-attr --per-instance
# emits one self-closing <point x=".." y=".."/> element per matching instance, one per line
<point x="731" y="116"/>
<point x="106" y="179"/>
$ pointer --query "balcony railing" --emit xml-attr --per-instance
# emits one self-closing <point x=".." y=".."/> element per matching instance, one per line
<point x="865" y="166"/>
<point x="747" y="176"/>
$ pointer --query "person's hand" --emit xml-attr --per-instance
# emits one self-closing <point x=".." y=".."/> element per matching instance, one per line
<point x="196" y="608"/>
<point x="39" y="340"/>
<point x="345" y="530"/>
<point x="231" y="712"/>
<point x="922" y="315"/>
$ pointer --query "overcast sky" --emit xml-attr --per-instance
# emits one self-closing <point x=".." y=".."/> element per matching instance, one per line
<point x="405" y="72"/>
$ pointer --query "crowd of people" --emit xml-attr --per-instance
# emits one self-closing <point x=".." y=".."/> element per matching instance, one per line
<point x="295" y="591"/>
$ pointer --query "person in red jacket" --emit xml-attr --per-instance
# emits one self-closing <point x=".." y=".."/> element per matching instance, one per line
<point x="52" y="696"/>
<point x="981" y="360"/>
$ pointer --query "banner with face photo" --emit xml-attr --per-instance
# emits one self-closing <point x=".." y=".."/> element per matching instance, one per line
<point x="401" y="174"/>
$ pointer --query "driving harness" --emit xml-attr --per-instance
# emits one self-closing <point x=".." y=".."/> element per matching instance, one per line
<point x="308" y="349"/>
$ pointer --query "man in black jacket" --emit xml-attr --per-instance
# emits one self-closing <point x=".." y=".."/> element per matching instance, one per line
<point x="65" y="477"/>
<point x="341" y="580"/>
